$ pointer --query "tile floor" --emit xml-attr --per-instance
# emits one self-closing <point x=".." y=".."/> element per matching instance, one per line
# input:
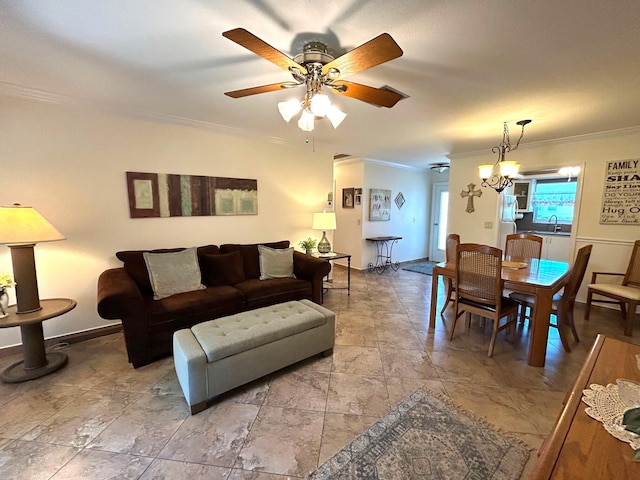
<point x="99" y="418"/>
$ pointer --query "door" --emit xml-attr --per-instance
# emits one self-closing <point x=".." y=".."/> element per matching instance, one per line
<point x="439" y="212"/>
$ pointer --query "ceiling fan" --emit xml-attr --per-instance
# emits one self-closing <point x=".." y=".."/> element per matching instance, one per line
<point x="315" y="68"/>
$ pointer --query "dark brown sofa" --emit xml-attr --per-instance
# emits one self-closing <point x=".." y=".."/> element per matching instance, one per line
<point x="231" y="274"/>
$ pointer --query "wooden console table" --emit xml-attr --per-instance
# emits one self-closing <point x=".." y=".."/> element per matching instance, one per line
<point x="36" y="361"/>
<point x="579" y="446"/>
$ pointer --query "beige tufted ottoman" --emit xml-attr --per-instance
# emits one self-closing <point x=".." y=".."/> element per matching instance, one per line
<point x="215" y="356"/>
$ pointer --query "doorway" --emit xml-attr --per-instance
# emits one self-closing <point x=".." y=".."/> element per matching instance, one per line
<point x="439" y="213"/>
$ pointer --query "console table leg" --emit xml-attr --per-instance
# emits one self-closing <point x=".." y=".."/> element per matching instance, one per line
<point x="33" y="346"/>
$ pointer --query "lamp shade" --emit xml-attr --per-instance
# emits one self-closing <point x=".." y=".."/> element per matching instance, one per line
<point x="324" y="221"/>
<point x="289" y="108"/>
<point x="24" y="225"/>
<point x="509" y="168"/>
<point x="306" y="121"/>
<point x="485" y="171"/>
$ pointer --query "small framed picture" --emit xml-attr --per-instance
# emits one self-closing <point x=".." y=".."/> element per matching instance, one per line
<point x="399" y="200"/>
<point x="357" y="199"/>
<point x="357" y="191"/>
<point x="347" y="197"/>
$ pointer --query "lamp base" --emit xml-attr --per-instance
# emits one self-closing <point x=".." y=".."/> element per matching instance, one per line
<point x="17" y="372"/>
<point x="323" y="245"/>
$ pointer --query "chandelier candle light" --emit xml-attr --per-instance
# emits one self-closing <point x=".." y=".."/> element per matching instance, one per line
<point x="324" y="221"/>
<point x="500" y="175"/>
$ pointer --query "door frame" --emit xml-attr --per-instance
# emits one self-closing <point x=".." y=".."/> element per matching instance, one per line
<point x="436" y="254"/>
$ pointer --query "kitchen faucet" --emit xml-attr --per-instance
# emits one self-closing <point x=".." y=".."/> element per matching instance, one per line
<point x="556" y="227"/>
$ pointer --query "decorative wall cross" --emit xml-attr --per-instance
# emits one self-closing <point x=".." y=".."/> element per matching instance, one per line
<point x="470" y="193"/>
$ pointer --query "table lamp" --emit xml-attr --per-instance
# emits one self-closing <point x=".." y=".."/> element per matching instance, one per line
<point x="20" y="229"/>
<point x="324" y="221"/>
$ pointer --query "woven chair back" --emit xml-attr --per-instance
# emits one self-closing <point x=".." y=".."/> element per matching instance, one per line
<point x="632" y="276"/>
<point x="523" y="246"/>
<point x="478" y="269"/>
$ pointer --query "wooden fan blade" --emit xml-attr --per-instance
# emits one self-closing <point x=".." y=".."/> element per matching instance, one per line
<point x="245" y="92"/>
<point x="249" y="41"/>
<point x="376" y="51"/>
<point x="374" y="96"/>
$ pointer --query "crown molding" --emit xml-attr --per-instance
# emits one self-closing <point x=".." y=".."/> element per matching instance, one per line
<point x="20" y="91"/>
<point x="556" y="141"/>
<point x="347" y="160"/>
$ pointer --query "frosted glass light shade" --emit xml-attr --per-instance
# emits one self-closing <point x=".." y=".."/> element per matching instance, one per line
<point x="335" y="116"/>
<point x="24" y="225"/>
<point x="324" y="221"/>
<point x="289" y="108"/>
<point x="320" y="104"/>
<point x="485" y="171"/>
<point x="509" y="168"/>
<point x="306" y="121"/>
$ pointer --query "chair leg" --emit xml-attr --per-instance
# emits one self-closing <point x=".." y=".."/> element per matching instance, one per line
<point x="448" y="295"/>
<point x="453" y="324"/>
<point x="572" y="325"/>
<point x="561" y="325"/>
<point x="588" y="309"/>
<point x="631" y="313"/>
<point x="494" y="335"/>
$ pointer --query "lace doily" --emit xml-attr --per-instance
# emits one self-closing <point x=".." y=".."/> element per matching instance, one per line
<point x="606" y="407"/>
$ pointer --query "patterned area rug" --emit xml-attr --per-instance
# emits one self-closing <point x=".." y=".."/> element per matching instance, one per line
<point x="426" y="437"/>
<point x="425" y="268"/>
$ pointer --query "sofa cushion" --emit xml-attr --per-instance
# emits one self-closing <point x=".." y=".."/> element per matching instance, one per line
<point x="136" y="267"/>
<point x="250" y="256"/>
<point x="259" y="293"/>
<point x="186" y="309"/>
<point x="275" y="262"/>
<point x="222" y="269"/>
<point x="174" y="272"/>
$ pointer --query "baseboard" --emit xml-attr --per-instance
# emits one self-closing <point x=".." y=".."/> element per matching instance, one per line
<point x="70" y="338"/>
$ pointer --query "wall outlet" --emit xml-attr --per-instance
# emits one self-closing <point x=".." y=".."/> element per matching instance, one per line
<point x="488" y="224"/>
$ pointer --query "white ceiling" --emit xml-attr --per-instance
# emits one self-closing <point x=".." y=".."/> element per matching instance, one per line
<point x="572" y="66"/>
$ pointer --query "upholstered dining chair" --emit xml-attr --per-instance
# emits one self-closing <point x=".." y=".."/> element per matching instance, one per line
<point x="453" y="240"/>
<point x="627" y="294"/>
<point x="562" y="306"/>
<point x="523" y="246"/>
<point x="479" y="286"/>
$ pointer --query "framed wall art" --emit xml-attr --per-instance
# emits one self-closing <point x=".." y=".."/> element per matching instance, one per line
<point x="347" y="197"/>
<point x="171" y="195"/>
<point x="399" y="200"/>
<point x="379" y="205"/>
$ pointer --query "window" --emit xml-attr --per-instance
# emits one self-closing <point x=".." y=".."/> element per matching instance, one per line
<point x="554" y="197"/>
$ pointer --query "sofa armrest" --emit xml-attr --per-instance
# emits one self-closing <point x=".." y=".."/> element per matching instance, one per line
<point x="312" y="269"/>
<point x="118" y="295"/>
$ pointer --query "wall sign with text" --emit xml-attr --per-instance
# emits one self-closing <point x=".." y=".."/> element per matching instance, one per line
<point x="621" y="198"/>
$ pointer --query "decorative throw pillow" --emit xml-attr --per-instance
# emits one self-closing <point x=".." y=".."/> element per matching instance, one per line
<point x="172" y="273"/>
<point x="276" y="262"/>
<point x="222" y="269"/>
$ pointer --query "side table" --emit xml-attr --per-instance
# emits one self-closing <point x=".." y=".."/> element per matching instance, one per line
<point x="329" y="257"/>
<point x="384" y="246"/>
<point x="36" y="361"/>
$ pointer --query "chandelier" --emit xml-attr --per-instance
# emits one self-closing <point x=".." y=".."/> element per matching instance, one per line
<point x="315" y="104"/>
<point x="500" y="175"/>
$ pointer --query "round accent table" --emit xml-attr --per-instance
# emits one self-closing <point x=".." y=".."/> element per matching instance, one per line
<point x="36" y="361"/>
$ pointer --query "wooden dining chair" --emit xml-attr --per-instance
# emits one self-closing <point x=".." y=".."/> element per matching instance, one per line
<point x="479" y="287"/>
<point x="627" y="295"/>
<point x="563" y="302"/>
<point x="523" y="246"/>
<point x="453" y="240"/>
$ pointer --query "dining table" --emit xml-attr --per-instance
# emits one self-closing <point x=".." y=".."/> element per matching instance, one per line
<point x="539" y="277"/>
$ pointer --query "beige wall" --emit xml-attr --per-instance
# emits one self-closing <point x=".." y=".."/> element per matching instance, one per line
<point x="70" y="165"/>
<point x="410" y="222"/>
<point x="612" y="243"/>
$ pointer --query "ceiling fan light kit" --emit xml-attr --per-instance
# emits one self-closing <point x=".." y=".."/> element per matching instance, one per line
<point x="316" y="69"/>
<point x="500" y="175"/>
